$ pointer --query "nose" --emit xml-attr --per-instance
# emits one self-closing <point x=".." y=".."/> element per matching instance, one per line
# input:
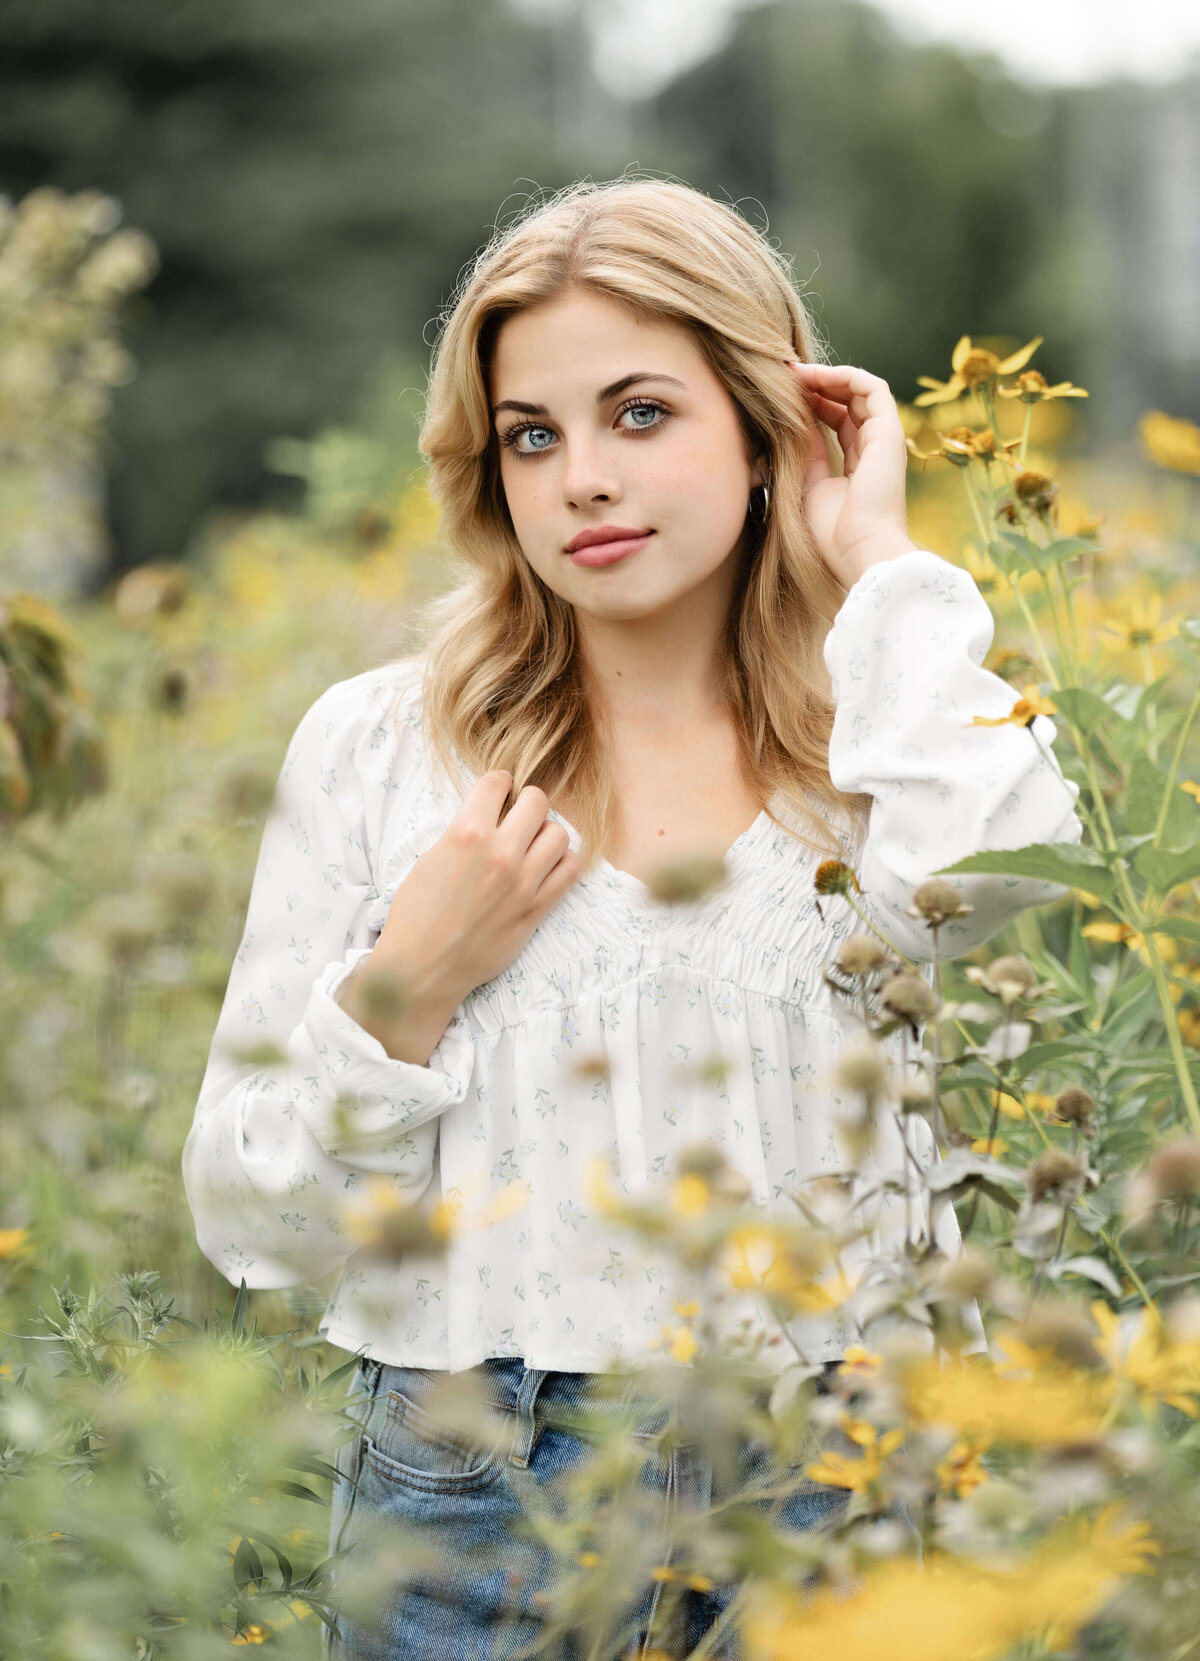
<point x="589" y="473"/>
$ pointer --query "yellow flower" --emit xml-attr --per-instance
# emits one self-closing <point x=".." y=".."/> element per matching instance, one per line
<point x="1189" y="1031"/>
<point x="1192" y="788"/>
<point x="1138" y="626"/>
<point x="860" y="1360"/>
<point x="972" y="366"/>
<point x="838" y="1470"/>
<point x="1037" y="1100"/>
<point x="948" y="1608"/>
<point x="1049" y="1405"/>
<point x="681" y="1343"/>
<point x="995" y="1146"/>
<point x="14" y="1242"/>
<point x="1031" y="388"/>
<point x="1115" y="934"/>
<point x="961" y="1471"/>
<point x="1169" y="441"/>
<point x="1138" y="1349"/>
<point x="1023" y="713"/>
<point x="254" y="1634"/>
<point x="690" y="1196"/>
<point x="966" y="444"/>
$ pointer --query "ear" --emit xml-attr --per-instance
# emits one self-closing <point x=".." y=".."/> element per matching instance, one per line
<point x="759" y="472"/>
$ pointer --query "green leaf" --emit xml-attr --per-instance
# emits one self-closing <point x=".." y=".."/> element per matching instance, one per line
<point x="1179" y="928"/>
<point x="1083" y="708"/>
<point x="1068" y="863"/>
<point x="1165" y="870"/>
<point x="1041" y="1055"/>
<point x="238" y="1323"/>
<point x="1143" y="803"/>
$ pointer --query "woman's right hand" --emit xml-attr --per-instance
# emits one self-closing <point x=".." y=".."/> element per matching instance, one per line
<point x="467" y="909"/>
<point x="471" y="902"/>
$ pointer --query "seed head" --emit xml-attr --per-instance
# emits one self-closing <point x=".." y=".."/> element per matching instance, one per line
<point x="862" y="954"/>
<point x="1175" y="1168"/>
<point x="1057" y="1176"/>
<point x="910" y="997"/>
<point x="1074" y="1105"/>
<point x="937" y="901"/>
<point x="863" y="1069"/>
<point x="834" y="877"/>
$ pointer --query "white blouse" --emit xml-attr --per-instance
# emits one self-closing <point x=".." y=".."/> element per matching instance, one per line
<point x="278" y="1152"/>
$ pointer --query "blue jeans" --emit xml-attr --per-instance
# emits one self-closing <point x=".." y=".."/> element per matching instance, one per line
<point x="458" y="1584"/>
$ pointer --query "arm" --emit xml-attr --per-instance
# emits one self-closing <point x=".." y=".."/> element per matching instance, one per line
<point x="277" y="1151"/>
<point x="904" y="654"/>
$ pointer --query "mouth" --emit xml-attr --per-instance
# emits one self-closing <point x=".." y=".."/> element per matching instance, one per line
<point x="608" y="550"/>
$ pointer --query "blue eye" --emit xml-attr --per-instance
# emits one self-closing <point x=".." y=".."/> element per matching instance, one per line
<point x="509" y="439"/>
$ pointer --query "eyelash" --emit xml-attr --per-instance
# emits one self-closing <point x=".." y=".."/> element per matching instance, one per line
<point x="509" y="439"/>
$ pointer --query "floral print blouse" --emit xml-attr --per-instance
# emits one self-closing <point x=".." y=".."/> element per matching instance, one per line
<point x="279" y="1152"/>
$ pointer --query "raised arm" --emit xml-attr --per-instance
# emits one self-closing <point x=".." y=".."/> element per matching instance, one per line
<point x="277" y="1149"/>
<point x="905" y="654"/>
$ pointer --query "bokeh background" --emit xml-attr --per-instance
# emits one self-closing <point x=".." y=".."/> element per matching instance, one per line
<point x="315" y="176"/>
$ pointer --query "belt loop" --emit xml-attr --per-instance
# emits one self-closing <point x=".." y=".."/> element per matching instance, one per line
<point x="524" y="1429"/>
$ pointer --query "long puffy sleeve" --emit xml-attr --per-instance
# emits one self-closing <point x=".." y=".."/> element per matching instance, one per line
<point x="277" y="1148"/>
<point x="905" y="655"/>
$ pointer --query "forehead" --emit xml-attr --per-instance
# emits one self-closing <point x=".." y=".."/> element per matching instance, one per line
<point x="580" y="337"/>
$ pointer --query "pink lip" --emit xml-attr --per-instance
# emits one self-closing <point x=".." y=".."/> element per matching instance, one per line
<point x="607" y="553"/>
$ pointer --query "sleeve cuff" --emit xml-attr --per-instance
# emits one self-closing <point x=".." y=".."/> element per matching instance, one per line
<point x="881" y="583"/>
<point x="354" y="1097"/>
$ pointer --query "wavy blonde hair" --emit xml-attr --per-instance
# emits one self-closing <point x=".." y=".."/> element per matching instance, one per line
<point x="503" y="684"/>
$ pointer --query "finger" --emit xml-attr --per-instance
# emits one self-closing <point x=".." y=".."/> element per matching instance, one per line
<point x="843" y="423"/>
<point x="817" y="467"/>
<point x="547" y="849"/>
<point x="488" y="796"/>
<point x="524" y="820"/>
<point x="846" y="382"/>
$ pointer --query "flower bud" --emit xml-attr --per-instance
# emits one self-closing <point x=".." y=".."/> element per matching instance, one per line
<point x="834" y="877"/>
<point x="1056" y="1176"/>
<point x="862" y="954"/>
<point x="863" y="1069"/>
<point x="1074" y="1105"/>
<point x="910" y="997"/>
<point x="1008" y="978"/>
<point x="938" y="900"/>
<point x="1175" y="1168"/>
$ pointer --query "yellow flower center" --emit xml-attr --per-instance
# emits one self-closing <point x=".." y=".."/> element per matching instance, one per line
<point x="979" y="365"/>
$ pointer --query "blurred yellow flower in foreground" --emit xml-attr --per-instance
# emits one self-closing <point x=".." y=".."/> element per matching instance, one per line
<point x="1170" y="441"/>
<point x="1023" y="713"/>
<point x="839" y="1470"/>
<point x="1137" y="1348"/>
<point x="1039" y="1101"/>
<point x="1051" y="1406"/>
<point x="690" y="1196"/>
<point x="972" y="366"/>
<point x="14" y="1242"/>
<point x="950" y="1609"/>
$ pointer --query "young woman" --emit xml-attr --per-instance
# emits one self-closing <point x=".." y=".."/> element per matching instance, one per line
<point x="682" y="631"/>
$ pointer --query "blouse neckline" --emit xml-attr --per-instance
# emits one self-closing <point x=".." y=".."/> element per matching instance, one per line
<point x="639" y="891"/>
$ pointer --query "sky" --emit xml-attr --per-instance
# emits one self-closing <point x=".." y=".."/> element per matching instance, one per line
<point x="641" y="45"/>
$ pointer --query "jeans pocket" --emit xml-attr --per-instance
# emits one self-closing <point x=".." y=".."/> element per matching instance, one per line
<point x="411" y="1444"/>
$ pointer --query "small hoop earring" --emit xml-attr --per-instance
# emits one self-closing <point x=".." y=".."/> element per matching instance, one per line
<point x="760" y="518"/>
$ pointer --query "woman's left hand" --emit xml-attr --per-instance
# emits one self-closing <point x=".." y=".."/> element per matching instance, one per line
<point x="857" y="520"/>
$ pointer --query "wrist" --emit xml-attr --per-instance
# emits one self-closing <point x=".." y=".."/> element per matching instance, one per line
<point x="404" y="1010"/>
<point x="878" y="551"/>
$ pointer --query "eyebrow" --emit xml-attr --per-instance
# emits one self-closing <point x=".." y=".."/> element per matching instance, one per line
<point x="602" y="397"/>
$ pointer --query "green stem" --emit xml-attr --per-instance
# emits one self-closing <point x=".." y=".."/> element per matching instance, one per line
<point x="1193" y="710"/>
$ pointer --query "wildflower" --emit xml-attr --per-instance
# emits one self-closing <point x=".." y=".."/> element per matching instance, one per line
<point x="690" y="1196"/>
<point x="833" y="877"/>
<point x="14" y="1242"/>
<point x="1191" y="787"/>
<point x="937" y="901"/>
<point x="994" y="1145"/>
<point x="254" y="1634"/>
<point x="862" y="954"/>
<point x="681" y="1343"/>
<point x="1169" y="441"/>
<point x="1123" y="934"/>
<point x="838" y="1470"/>
<point x="972" y="366"/>
<point x="1175" y="1168"/>
<point x="1074" y="1105"/>
<point x="1031" y="388"/>
<point x="910" y="997"/>
<point x="1035" y="1101"/>
<point x="1008" y="978"/>
<point x="862" y="1069"/>
<point x="962" y="445"/>
<point x="1056" y="1176"/>
<point x="1137" y="1348"/>
<point x="860" y="1361"/>
<point x="961" y="1471"/>
<point x="1035" y="491"/>
<point x="1022" y="714"/>
<point x="1141" y="627"/>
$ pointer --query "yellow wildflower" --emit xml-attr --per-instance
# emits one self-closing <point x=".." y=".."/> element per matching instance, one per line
<point x="14" y="1242"/>
<point x="947" y="1608"/>
<point x="254" y="1634"/>
<point x="839" y="1470"/>
<point x="1114" y="934"/>
<point x="961" y="1471"/>
<point x="1040" y="1101"/>
<point x="1137" y="1348"/>
<point x="860" y="1360"/>
<point x="681" y="1343"/>
<point x="1049" y="1405"/>
<point x="1136" y="625"/>
<point x="686" y="1311"/>
<point x="972" y="366"/>
<point x="962" y="445"/>
<point x="1023" y="713"/>
<point x="1192" y="788"/>
<point x="1169" y="440"/>
<point x="690" y="1196"/>
<point x="1031" y="388"/>
<point x="994" y="1146"/>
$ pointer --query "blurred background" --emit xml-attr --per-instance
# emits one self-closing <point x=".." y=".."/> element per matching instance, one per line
<point x="315" y="176"/>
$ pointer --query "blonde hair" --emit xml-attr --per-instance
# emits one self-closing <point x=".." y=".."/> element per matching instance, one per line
<point x="503" y="685"/>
